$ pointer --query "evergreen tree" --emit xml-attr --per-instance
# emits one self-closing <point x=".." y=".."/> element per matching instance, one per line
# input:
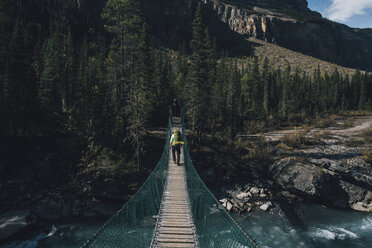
<point x="51" y="77"/>
<point x="201" y="75"/>
<point x="284" y="97"/>
<point x="20" y="87"/>
<point x="219" y="96"/>
<point x="266" y="83"/>
<point x="363" y="92"/>
<point x="129" y="68"/>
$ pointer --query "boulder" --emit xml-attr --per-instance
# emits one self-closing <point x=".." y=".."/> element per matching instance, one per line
<point x="224" y="202"/>
<point x="265" y="206"/>
<point x="254" y="190"/>
<point x="13" y="222"/>
<point x="318" y="183"/>
<point x="244" y="195"/>
<point x="229" y="206"/>
<point x="247" y="188"/>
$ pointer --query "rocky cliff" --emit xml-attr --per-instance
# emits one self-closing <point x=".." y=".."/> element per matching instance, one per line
<point x="309" y="33"/>
<point x="287" y="23"/>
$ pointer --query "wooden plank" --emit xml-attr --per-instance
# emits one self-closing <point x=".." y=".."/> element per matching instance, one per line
<point x="176" y="236"/>
<point x="167" y="240"/>
<point x="172" y="245"/>
<point x="176" y="230"/>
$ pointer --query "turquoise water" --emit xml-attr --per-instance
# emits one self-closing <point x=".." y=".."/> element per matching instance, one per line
<point x="299" y="226"/>
<point x="305" y="226"/>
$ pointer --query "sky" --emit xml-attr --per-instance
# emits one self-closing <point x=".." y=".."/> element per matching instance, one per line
<point x="354" y="13"/>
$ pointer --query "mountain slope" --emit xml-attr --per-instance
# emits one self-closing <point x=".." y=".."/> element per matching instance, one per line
<point x="287" y="23"/>
<point x="280" y="57"/>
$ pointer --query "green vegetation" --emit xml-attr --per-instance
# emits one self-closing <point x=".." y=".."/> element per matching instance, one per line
<point x="84" y="73"/>
<point x="294" y="140"/>
<point x="368" y="135"/>
<point x="280" y="57"/>
<point x="367" y="156"/>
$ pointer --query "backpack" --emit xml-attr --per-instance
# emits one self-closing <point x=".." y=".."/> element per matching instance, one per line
<point x="178" y="136"/>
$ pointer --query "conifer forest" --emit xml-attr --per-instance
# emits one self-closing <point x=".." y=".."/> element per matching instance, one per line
<point x="86" y="88"/>
<point x="89" y="70"/>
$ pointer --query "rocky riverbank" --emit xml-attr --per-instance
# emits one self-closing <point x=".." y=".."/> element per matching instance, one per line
<point x="329" y="166"/>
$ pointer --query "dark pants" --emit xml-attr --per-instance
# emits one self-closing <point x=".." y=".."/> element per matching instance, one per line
<point x="176" y="148"/>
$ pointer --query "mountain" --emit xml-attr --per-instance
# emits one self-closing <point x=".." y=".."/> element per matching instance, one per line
<point x="287" y="23"/>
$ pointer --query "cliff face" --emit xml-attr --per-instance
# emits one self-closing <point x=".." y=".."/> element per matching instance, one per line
<point x="287" y="23"/>
<point x="316" y="37"/>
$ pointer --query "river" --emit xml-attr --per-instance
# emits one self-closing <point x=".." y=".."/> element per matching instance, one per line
<point x="298" y="226"/>
<point x="310" y="225"/>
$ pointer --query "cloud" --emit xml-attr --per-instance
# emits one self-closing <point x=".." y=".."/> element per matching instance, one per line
<point x="343" y="10"/>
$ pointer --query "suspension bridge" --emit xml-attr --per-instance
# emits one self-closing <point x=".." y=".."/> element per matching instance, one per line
<point x="173" y="208"/>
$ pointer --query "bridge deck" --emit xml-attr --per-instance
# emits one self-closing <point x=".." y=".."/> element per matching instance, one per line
<point x="175" y="227"/>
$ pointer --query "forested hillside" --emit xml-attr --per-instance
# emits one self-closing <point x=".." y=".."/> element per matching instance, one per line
<point x="89" y="71"/>
<point x="85" y="89"/>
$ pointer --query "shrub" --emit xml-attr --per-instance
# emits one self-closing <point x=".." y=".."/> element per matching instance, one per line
<point x="367" y="156"/>
<point x="296" y="139"/>
<point x="349" y="123"/>
<point x="324" y="123"/>
<point x="367" y="134"/>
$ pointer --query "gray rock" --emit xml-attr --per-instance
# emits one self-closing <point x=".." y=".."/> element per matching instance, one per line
<point x="324" y="185"/>
<point x="296" y="176"/>
<point x="244" y="195"/>
<point x="254" y="190"/>
<point x="13" y="222"/>
<point x="265" y="206"/>
<point x="229" y="206"/>
<point x="247" y="188"/>
<point x="365" y="205"/>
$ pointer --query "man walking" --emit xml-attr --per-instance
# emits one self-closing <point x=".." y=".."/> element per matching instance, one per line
<point x="176" y="143"/>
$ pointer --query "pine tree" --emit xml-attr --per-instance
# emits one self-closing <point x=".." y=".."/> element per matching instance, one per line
<point x="363" y="92"/>
<point x="284" y="97"/>
<point x="356" y="84"/>
<point x="266" y="83"/>
<point x="51" y="79"/>
<point x="255" y="80"/>
<point x="129" y="68"/>
<point x="218" y="104"/>
<point x="69" y="73"/>
<point x="21" y="82"/>
<point x="201" y="75"/>
<point x="139" y="103"/>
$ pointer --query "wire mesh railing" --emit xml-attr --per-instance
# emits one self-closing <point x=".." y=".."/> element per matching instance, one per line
<point x="133" y="225"/>
<point x="215" y="227"/>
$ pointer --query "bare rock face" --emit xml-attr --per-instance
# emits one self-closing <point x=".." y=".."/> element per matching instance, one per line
<point x="322" y="185"/>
